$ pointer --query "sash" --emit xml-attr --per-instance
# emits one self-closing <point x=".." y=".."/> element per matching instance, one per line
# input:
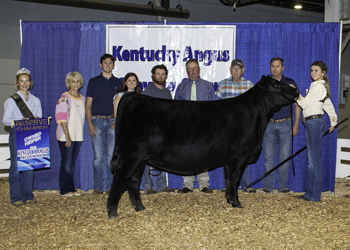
<point x="22" y="106"/>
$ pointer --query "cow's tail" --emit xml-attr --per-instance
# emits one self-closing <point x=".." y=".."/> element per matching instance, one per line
<point x="115" y="159"/>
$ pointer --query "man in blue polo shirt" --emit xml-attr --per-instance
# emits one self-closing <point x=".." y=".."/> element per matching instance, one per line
<point x="100" y="118"/>
<point x="278" y="135"/>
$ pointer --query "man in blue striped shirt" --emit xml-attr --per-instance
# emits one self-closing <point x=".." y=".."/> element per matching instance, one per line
<point x="232" y="87"/>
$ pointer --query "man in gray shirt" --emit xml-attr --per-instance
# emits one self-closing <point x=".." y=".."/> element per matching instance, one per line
<point x="157" y="89"/>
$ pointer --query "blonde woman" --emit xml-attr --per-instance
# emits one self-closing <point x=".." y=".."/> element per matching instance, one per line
<point x="70" y="117"/>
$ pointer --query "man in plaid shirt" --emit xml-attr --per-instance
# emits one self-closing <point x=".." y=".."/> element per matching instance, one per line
<point x="232" y="87"/>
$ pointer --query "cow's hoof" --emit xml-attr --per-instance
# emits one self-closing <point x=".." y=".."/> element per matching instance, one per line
<point x="140" y="208"/>
<point x="237" y="206"/>
<point x="112" y="215"/>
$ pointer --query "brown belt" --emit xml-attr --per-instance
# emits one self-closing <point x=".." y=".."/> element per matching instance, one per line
<point x="313" y="117"/>
<point x="281" y="120"/>
<point x="104" y="117"/>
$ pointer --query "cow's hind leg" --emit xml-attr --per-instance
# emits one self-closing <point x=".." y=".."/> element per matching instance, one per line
<point x="122" y="175"/>
<point x="134" y="188"/>
<point x="115" y="193"/>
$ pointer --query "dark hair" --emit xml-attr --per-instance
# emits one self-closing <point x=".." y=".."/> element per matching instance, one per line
<point x="105" y="56"/>
<point x="277" y="59"/>
<point x="324" y="69"/>
<point x="160" y="66"/>
<point x="191" y="61"/>
<point x="126" y="77"/>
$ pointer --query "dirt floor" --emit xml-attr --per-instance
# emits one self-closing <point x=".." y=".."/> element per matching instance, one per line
<point x="177" y="221"/>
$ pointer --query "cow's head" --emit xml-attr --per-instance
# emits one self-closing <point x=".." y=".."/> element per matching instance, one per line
<point x="281" y="92"/>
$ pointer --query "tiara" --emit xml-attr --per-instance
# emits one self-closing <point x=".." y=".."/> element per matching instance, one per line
<point x="23" y="71"/>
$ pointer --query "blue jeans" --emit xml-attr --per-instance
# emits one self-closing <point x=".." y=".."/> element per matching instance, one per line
<point x="69" y="157"/>
<point x="246" y="178"/>
<point x="103" y="145"/>
<point x="315" y="129"/>
<point x="16" y="193"/>
<point x="277" y="136"/>
<point x="161" y="179"/>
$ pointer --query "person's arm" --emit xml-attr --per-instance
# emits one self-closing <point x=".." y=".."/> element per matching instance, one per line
<point x="297" y="115"/>
<point x="8" y="109"/>
<point x="66" y="132"/>
<point x="211" y="92"/>
<point x="38" y="111"/>
<point x="92" y="129"/>
<point x="116" y="102"/>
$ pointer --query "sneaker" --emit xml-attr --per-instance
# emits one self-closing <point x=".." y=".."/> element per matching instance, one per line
<point x="249" y="190"/>
<point x="286" y="191"/>
<point x="167" y="190"/>
<point x="76" y="193"/>
<point x="18" y="203"/>
<point x="30" y="202"/>
<point x="68" y="194"/>
<point x="150" y="191"/>
<point x="184" y="190"/>
<point x="264" y="190"/>
<point x="206" y="190"/>
<point x="96" y="192"/>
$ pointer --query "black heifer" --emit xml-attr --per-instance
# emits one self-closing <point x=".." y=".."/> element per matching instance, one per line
<point x="186" y="137"/>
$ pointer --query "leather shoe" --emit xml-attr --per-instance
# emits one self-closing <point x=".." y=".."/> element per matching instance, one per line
<point x="150" y="191"/>
<point x="97" y="192"/>
<point x="206" y="190"/>
<point x="167" y="190"/>
<point x="286" y="191"/>
<point x="301" y="197"/>
<point x="184" y="190"/>
<point x="249" y="190"/>
<point x="18" y="203"/>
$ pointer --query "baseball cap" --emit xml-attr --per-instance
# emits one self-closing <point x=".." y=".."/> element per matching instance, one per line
<point x="237" y="62"/>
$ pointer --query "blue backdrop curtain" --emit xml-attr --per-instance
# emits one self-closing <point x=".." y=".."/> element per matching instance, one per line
<point x="51" y="50"/>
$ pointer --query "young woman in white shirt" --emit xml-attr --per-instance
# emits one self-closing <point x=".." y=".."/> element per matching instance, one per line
<point x="21" y="183"/>
<point x="316" y="101"/>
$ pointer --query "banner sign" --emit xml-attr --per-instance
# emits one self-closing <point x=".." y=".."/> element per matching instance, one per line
<point x="138" y="48"/>
<point x="33" y="144"/>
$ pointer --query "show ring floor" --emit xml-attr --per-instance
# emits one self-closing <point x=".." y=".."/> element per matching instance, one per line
<point x="177" y="221"/>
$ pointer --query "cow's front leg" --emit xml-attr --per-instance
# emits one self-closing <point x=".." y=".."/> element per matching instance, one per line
<point x="233" y="178"/>
<point x="134" y="188"/>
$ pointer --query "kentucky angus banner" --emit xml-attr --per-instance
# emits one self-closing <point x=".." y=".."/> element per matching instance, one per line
<point x="33" y="144"/>
<point x="138" y="48"/>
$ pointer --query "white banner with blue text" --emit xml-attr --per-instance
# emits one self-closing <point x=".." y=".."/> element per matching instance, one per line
<point x="137" y="48"/>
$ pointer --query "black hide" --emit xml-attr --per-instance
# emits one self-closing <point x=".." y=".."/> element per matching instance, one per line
<point x="189" y="137"/>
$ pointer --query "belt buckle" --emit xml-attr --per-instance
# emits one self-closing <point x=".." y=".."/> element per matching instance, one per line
<point x="303" y="120"/>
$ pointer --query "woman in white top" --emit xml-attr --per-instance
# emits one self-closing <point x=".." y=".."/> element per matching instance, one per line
<point x="70" y="117"/>
<point x="20" y="193"/>
<point x="130" y="84"/>
<point x="313" y="104"/>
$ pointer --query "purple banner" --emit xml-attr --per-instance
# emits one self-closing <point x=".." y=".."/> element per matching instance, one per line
<point x="33" y="144"/>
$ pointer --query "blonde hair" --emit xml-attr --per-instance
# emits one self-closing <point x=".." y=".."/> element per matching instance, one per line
<point x="74" y="75"/>
<point x="323" y="67"/>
